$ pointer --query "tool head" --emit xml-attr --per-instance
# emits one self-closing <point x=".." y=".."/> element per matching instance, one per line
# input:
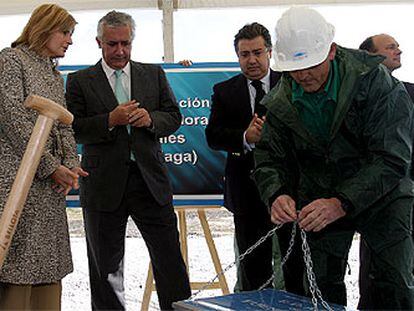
<point x="48" y="108"/>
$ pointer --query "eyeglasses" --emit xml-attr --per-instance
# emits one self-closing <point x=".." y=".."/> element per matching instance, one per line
<point x="256" y="53"/>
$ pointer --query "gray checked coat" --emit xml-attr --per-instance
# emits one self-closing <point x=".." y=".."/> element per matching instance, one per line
<point x="40" y="250"/>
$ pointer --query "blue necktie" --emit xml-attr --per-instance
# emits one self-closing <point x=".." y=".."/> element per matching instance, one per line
<point x="120" y="92"/>
<point x="122" y="97"/>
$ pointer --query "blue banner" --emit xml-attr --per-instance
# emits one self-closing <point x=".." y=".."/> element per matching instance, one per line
<point x="196" y="171"/>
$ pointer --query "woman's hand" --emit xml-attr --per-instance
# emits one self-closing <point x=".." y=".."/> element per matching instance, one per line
<point x="66" y="179"/>
<point x="80" y="172"/>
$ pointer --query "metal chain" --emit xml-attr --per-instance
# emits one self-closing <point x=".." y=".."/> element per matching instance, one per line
<point x="313" y="286"/>
<point x="238" y="259"/>
<point x="283" y="261"/>
<point x="291" y="244"/>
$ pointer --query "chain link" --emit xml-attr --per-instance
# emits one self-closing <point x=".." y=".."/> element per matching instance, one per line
<point x="237" y="261"/>
<point x="291" y="244"/>
<point x="283" y="261"/>
<point x="313" y="287"/>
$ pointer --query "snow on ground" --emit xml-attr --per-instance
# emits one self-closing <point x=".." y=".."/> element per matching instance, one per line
<point x="76" y="285"/>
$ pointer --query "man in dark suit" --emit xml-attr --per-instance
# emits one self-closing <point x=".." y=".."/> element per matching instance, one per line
<point x="121" y="110"/>
<point x="387" y="46"/>
<point x="235" y="125"/>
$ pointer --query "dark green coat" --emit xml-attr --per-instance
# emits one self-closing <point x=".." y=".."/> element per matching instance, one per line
<point x="368" y="156"/>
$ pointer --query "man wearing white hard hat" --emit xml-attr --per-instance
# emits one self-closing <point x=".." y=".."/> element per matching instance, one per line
<point x="335" y="155"/>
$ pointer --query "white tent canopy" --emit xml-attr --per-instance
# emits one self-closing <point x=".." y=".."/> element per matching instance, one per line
<point x="168" y="7"/>
<point x="26" y="6"/>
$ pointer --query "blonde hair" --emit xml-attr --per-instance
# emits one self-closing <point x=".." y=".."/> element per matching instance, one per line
<point x="45" y="19"/>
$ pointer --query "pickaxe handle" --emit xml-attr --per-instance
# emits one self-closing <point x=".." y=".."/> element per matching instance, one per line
<point x="48" y="112"/>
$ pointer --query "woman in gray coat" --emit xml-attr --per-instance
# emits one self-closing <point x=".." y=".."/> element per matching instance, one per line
<point x="39" y="256"/>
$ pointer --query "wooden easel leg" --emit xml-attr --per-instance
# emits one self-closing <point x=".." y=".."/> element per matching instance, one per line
<point x="213" y="251"/>
<point x="182" y="224"/>
<point x="148" y="289"/>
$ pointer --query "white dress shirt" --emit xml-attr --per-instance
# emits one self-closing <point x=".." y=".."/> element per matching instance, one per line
<point x="125" y="77"/>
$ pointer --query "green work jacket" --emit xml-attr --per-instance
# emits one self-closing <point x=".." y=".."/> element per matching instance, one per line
<point x="368" y="155"/>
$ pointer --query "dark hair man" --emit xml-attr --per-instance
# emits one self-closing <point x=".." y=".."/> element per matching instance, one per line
<point x="121" y="108"/>
<point x="387" y="46"/>
<point x="334" y="157"/>
<point x="235" y="126"/>
<point x="384" y="45"/>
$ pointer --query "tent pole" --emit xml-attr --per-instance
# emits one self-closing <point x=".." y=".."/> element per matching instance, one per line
<point x="167" y="7"/>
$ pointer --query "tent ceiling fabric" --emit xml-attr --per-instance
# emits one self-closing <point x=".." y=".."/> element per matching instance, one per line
<point x="194" y="4"/>
<point x="11" y="7"/>
<point x="168" y="7"/>
<point x="26" y="6"/>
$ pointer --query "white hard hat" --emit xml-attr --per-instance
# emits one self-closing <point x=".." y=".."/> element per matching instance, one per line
<point x="303" y="39"/>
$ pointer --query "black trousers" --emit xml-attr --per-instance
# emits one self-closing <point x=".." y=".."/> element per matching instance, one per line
<point x="251" y="222"/>
<point x="105" y="235"/>
<point x="367" y="297"/>
<point x="294" y="268"/>
<point x="257" y="267"/>
<point x="370" y="293"/>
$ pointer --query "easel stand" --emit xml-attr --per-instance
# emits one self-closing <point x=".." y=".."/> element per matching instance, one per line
<point x="182" y="223"/>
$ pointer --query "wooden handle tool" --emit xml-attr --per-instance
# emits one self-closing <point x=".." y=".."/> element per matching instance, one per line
<point x="48" y="112"/>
